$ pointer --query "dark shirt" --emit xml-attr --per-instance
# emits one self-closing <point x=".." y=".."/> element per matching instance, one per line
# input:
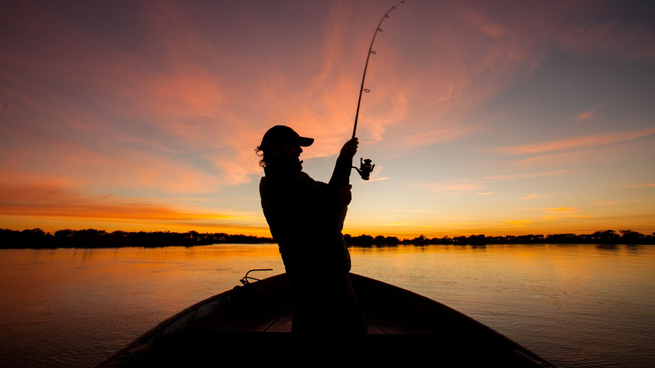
<point x="306" y="217"/>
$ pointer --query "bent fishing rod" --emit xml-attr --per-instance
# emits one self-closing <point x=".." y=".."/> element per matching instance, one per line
<point x="365" y="169"/>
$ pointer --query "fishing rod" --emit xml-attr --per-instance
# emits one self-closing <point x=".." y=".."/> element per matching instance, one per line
<point x="366" y="168"/>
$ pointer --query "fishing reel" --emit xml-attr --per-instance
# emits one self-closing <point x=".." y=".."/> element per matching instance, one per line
<point x="365" y="168"/>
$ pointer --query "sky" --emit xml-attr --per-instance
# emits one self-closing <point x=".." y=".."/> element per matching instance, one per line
<point x="497" y="118"/>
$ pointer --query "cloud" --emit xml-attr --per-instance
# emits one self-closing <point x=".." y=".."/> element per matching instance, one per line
<point x="182" y="87"/>
<point x="532" y="196"/>
<point x="622" y="41"/>
<point x="651" y="185"/>
<point x="518" y="223"/>
<point x="54" y="201"/>
<point x="556" y="213"/>
<point x="468" y="185"/>
<point x="478" y="21"/>
<point x="377" y="171"/>
<point x="379" y="179"/>
<point x="586" y="115"/>
<point x="557" y="159"/>
<point x="563" y="210"/>
<point x="457" y="186"/>
<point x="590" y="140"/>
<point x="103" y="166"/>
<point x="526" y="175"/>
<point x="175" y="100"/>
<point x="435" y="136"/>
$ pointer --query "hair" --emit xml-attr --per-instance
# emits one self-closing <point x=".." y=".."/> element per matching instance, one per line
<point x="261" y="153"/>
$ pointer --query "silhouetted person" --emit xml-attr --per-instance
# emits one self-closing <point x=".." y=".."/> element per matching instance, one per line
<point x="306" y="218"/>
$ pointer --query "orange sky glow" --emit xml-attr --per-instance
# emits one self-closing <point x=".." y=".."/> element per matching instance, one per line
<point x="502" y="118"/>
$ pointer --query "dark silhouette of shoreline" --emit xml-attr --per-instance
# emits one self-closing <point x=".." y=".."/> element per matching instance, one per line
<point x="92" y="238"/>
<point x="598" y="237"/>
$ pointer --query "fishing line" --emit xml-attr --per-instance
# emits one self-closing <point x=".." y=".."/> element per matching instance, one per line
<point x="368" y="56"/>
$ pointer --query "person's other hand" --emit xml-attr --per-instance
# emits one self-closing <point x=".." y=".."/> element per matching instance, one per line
<point x="345" y="195"/>
<point x="349" y="149"/>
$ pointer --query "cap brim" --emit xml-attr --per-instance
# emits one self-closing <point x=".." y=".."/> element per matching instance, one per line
<point x="305" y="142"/>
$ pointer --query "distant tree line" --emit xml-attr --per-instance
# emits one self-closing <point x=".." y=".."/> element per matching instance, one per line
<point x="599" y="237"/>
<point x="92" y="238"/>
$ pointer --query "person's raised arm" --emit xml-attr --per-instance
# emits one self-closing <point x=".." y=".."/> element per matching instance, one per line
<point x="341" y="175"/>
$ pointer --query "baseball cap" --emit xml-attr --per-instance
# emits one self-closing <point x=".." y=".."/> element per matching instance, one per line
<point x="282" y="134"/>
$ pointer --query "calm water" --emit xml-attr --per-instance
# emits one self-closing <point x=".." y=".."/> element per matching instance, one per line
<point x="576" y="305"/>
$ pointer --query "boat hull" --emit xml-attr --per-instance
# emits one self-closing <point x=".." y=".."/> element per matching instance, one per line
<point x="254" y="321"/>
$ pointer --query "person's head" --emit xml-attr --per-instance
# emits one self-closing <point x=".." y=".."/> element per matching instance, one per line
<point x="282" y="144"/>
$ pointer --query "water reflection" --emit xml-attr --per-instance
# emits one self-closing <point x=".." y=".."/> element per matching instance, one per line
<point x="607" y="247"/>
<point x="576" y="305"/>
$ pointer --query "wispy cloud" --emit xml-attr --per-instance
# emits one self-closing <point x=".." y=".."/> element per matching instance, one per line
<point x="651" y="185"/>
<point x="557" y="159"/>
<point x="563" y="210"/>
<point x="518" y="223"/>
<point x="470" y="185"/>
<point x="456" y="186"/>
<point x="591" y="140"/>
<point x="376" y="175"/>
<point x="526" y="175"/>
<point x="586" y="115"/>
<point x="622" y="41"/>
<point x="480" y="22"/>
<point x="556" y="213"/>
<point x="435" y="136"/>
<point x="56" y="202"/>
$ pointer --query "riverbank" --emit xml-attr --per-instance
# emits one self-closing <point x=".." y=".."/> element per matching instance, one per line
<point x="92" y="238"/>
